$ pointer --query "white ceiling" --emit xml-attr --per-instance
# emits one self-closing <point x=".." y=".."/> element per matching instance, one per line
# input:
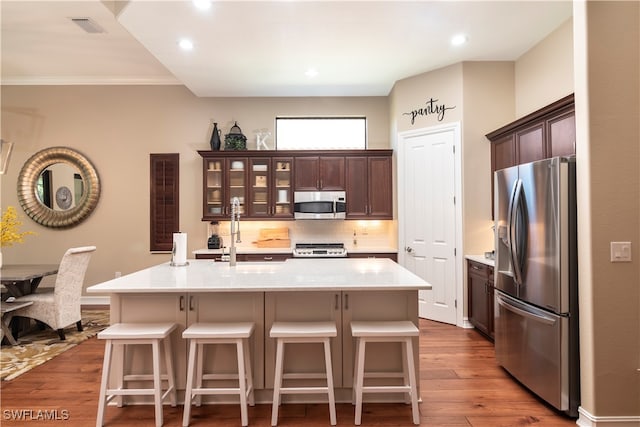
<point x="263" y="48"/>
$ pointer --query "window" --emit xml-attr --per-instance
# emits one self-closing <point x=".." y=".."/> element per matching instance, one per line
<point x="321" y="133"/>
<point x="165" y="200"/>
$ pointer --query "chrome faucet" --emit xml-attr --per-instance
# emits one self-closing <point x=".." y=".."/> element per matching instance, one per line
<point x="235" y="230"/>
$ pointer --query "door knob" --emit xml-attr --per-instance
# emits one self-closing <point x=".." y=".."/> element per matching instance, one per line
<point x="408" y="249"/>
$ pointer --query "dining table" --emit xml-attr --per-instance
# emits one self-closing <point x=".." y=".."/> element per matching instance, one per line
<point x="20" y="280"/>
<point x="23" y="279"/>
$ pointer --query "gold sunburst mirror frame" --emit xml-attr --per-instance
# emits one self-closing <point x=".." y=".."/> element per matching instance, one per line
<point x="28" y="187"/>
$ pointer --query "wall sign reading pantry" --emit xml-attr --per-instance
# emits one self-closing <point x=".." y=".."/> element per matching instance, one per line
<point x="431" y="108"/>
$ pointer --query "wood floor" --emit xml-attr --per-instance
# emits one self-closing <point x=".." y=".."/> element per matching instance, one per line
<point x="461" y="386"/>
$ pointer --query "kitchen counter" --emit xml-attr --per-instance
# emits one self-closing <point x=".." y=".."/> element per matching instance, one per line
<point x="252" y="250"/>
<point x="338" y="290"/>
<point x="293" y="274"/>
<point x="481" y="259"/>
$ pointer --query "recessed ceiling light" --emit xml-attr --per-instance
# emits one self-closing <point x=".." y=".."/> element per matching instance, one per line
<point x="202" y="4"/>
<point x="185" y="44"/>
<point x="459" y="39"/>
<point x="311" y="73"/>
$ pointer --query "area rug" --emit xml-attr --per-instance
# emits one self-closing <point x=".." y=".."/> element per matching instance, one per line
<point x="37" y="347"/>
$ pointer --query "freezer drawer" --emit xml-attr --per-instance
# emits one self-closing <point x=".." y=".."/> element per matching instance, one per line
<point x="533" y="346"/>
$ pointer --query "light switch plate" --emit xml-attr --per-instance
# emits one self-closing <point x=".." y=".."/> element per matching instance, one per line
<point x="620" y="251"/>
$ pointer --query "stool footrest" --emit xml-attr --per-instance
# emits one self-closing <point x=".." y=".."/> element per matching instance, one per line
<point x="387" y="389"/>
<point x="221" y="390"/>
<point x="383" y="375"/>
<point x="134" y="392"/>
<point x="303" y="390"/>
<point x="304" y="376"/>
<point x="219" y="377"/>
<point x="144" y="377"/>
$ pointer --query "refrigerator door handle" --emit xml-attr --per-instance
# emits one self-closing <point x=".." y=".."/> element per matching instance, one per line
<point x="514" y="234"/>
<point x="508" y="305"/>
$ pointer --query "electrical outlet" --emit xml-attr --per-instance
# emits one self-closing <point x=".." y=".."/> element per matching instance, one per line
<point x="118" y="274"/>
<point x="620" y="251"/>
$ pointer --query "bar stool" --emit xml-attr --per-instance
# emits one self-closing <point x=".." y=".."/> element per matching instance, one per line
<point x="385" y="331"/>
<point x="123" y="334"/>
<point x="201" y="334"/>
<point x="302" y="332"/>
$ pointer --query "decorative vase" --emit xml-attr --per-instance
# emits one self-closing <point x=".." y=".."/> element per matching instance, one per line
<point x="235" y="139"/>
<point x="215" y="138"/>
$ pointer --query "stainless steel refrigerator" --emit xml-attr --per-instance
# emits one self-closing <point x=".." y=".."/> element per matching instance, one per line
<point x="536" y="279"/>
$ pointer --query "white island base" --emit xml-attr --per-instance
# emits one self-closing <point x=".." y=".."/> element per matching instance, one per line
<point x="339" y="290"/>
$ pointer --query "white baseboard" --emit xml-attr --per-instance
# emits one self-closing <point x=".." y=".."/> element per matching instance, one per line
<point x="466" y="324"/>
<point x="588" y="420"/>
<point x="84" y="301"/>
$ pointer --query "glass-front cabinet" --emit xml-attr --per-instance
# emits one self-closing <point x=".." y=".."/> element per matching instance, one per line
<point x="237" y="173"/>
<point x="225" y="178"/>
<point x="270" y="187"/>
<point x="214" y="179"/>
<point x="282" y="187"/>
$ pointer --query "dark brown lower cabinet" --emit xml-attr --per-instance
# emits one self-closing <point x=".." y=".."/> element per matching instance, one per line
<point x="264" y="257"/>
<point x="392" y="256"/>
<point x="480" y="293"/>
<point x="247" y="257"/>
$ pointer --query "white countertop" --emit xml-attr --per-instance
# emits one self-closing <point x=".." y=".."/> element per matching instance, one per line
<point x="250" y="250"/>
<point x="481" y="259"/>
<point x="290" y="275"/>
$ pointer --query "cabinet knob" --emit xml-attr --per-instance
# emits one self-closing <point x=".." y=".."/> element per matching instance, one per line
<point x="408" y="249"/>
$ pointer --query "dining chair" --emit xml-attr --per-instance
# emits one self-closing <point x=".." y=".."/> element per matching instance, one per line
<point x="61" y="308"/>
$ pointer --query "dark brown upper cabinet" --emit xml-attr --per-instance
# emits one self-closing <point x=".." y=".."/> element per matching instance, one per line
<point x="548" y="132"/>
<point x="319" y="173"/>
<point x="369" y="187"/>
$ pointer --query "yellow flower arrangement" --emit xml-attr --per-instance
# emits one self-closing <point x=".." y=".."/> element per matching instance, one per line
<point x="10" y="228"/>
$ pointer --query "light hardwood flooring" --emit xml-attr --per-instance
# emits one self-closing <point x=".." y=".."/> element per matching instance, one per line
<point x="461" y="385"/>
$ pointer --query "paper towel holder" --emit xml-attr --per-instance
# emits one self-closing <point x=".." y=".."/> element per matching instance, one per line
<point x="173" y="254"/>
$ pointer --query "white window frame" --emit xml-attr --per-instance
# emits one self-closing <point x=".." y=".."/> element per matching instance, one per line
<point x="321" y="133"/>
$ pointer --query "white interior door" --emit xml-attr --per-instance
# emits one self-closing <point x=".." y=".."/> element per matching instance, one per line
<point x="428" y="216"/>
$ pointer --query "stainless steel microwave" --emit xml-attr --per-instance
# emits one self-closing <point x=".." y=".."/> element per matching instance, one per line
<point x="319" y="205"/>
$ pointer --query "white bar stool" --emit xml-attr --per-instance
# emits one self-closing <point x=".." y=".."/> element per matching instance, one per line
<point x="302" y="332"/>
<point x="389" y="331"/>
<point x="123" y="334"/>
<point x="201" y="334"/>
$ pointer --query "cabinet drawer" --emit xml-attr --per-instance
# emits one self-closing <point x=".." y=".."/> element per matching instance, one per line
<point x="480" y="269"/>
<point x="266" y="257"/>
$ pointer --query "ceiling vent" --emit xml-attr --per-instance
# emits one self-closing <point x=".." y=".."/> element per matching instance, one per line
<point x="88" y="25"/>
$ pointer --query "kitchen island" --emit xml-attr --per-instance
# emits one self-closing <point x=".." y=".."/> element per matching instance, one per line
<point x="339" y="290"/>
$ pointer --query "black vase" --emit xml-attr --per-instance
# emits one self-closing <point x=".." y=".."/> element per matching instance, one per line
<point x="215" y="138"/>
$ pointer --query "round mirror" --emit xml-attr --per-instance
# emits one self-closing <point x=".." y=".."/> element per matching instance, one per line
<point x="58" y="187"/>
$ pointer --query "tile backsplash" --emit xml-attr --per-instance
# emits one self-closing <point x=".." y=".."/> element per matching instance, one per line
<point x="353" y="233"/>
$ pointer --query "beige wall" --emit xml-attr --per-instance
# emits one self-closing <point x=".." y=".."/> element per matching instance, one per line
<point x="443" y="85"/>
<point x="607" y="46"/>
<point x="488" y="105"/>
<point x="482" y="94"/>
<point x="116" y="128"/>
<point x="544" y="74"/>
<point x="483" y="97"/>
